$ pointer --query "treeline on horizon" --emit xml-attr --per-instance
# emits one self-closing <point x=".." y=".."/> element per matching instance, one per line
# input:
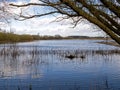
<point x="11" y="37"/>
<point x="6" y="37"/>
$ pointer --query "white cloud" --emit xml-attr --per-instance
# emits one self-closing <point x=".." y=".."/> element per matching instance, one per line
<point x="34" y="1"/>
<point x="45" y="26"/>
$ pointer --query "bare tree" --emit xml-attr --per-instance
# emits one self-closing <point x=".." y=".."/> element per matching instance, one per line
<point x="5" y="14"/>
<point x="103" y="13"/>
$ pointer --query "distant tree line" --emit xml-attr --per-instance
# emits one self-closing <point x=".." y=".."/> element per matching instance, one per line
<point x="10" y="38"/>
<point x="6" y="37"/>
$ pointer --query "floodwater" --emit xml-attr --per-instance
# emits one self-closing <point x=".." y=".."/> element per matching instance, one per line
<point x="59" y="65"/>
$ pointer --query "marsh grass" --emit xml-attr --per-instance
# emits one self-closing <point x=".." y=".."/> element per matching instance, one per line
<point x="35" y="53"/>
<point x="15" y="51"/>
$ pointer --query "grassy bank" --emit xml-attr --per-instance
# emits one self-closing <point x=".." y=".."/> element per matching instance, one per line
<point x="10" y="38"/>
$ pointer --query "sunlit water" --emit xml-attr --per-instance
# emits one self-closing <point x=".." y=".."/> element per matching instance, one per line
<point x="44" y="65"/>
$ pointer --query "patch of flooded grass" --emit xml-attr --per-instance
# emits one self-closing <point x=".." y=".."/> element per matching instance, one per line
<point x="15" y="51"/>
<point x="34" y="57"/>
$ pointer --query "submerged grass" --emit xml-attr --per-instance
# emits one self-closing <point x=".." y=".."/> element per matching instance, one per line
<point x="14" y="51"/>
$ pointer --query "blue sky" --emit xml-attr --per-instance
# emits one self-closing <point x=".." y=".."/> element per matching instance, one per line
<point x="46" y="26"/>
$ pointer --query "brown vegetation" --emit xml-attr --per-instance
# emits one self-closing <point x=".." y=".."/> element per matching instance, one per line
<point x="10" y="38"/>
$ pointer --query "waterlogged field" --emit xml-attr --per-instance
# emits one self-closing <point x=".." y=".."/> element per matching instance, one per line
<point x="59" y="65"/>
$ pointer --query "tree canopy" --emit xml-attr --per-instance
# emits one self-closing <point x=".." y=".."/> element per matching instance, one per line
<point x="103" y="13"/>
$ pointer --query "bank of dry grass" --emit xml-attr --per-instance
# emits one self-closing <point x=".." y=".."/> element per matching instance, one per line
<point x="10" y="38"/>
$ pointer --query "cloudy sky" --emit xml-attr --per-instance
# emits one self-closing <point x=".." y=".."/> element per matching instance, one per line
<point x="47" y="26"/>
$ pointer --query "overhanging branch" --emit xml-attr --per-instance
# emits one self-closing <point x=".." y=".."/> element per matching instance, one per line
<point x="34" y="16"/>
<point x="34" y="4"/>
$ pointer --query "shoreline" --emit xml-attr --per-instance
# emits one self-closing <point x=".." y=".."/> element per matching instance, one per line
<point x="112" y="43"/>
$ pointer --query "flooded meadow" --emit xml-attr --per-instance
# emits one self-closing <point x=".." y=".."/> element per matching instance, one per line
<point x="59" y="65"/>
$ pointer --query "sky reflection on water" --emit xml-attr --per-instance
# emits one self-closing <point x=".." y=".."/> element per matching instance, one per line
<point x="44" y="66"/>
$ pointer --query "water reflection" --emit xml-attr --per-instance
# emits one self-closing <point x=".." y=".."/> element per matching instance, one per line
<point x="37" y="68"/>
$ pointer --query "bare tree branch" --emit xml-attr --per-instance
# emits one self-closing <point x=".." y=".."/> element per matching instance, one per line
<point x="103" y="13"/>
<point x="34" y="16"/>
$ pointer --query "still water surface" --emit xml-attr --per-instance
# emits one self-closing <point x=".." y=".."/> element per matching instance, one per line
<point x="45" y="65"/>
